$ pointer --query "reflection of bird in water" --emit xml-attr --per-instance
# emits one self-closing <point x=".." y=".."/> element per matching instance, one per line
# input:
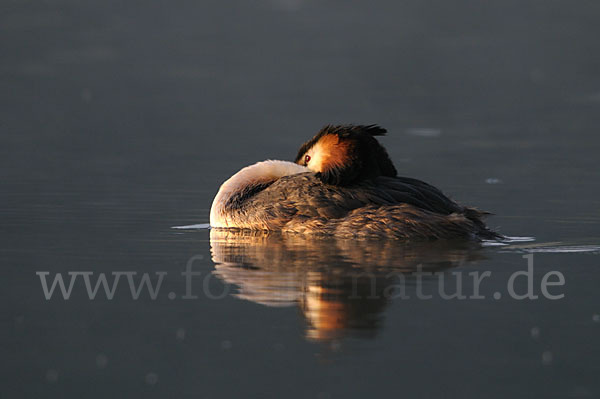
<point x="340" y="286"/>
<point x="342" y="183"/>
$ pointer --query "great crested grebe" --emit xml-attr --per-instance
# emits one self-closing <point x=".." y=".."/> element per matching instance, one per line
<point x="342" y="183"/>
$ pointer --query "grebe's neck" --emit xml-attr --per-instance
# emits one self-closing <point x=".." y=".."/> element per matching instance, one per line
<point x="260" y="173"/>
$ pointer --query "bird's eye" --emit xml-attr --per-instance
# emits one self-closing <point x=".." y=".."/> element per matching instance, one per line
<point x="306" y="159"/>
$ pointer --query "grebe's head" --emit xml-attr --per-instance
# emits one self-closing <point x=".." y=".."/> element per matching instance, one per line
<point x="346" y="154"/>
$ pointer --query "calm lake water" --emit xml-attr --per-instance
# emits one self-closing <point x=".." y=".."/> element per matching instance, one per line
<point x="119" y="121"/>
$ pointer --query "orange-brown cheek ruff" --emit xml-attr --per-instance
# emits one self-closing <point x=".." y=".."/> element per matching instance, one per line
<point x="335" y="153"/>
<point x="330" y="158"/>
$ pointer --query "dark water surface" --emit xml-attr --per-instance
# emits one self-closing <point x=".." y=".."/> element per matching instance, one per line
<point x="119" y="120"/>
